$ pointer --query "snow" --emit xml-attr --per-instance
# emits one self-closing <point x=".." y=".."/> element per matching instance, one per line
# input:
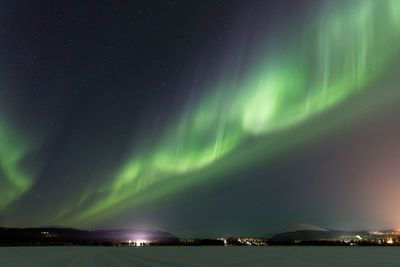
<point x="199" y="256"/>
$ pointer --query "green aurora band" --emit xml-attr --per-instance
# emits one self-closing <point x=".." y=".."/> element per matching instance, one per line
<point x="349" y="45"/>
<point x="14" y="181"/>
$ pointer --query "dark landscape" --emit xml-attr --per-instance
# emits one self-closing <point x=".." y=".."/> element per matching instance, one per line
<point x="302" y="234"/>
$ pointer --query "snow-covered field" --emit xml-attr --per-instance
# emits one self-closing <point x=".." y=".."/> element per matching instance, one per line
<point x="199" y="256"/>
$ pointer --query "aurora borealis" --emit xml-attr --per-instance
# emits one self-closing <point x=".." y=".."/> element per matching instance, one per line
<point x="15" y="181"/>
<point x="117" y="114"/>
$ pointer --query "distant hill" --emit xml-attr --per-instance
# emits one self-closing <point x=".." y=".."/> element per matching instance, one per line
<point x="52" y="226"/>
<point x="308" y="235"/>
<point x="56" y="234"/>
<point x="307" y="232"/>
<point x="302" y="227"/>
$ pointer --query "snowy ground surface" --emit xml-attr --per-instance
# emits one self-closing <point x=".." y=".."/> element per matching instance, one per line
<point x="199" y="256"/>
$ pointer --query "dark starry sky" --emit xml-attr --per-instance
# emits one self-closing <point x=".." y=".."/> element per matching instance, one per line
<point x="87" y="86"/>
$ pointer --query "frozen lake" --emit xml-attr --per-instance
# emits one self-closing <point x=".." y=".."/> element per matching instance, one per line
<point x="199" y="256"/>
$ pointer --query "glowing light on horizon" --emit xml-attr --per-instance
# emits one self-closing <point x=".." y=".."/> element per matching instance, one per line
<point x="140" y="243"/>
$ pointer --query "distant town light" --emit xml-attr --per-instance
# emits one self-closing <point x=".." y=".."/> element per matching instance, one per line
<point x="140" y="243"/>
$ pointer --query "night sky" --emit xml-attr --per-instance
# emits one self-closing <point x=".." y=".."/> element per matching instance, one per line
<point x="201" y="118"/>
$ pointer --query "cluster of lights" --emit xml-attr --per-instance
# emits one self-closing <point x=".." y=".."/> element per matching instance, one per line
<point x="249" y="241"/>
<point x="393" y="232"/>
<point x="137" y="243"/>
